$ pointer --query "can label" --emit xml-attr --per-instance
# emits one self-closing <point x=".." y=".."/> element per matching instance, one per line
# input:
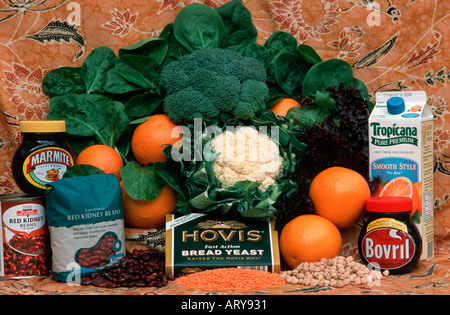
<point x="46" y="165"/>
<point x="25" y="238"/>
<point x="387" y="244"/>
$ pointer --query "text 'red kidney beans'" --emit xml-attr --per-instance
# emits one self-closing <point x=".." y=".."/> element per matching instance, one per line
<point x="141" y="268"/>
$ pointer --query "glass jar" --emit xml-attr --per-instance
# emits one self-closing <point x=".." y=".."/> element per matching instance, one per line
<point x="389" y="239"/>
<point x="42" y="157"/>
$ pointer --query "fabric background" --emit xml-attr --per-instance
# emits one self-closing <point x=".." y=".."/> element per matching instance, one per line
<point x="391" y="44"/>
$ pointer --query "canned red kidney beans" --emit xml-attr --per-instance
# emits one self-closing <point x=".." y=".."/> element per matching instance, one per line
<point x="25" y="236"/>
<point x="389" y="239"/>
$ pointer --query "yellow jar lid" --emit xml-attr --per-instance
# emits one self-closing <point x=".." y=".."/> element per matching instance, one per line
<point x="42" y="126"/>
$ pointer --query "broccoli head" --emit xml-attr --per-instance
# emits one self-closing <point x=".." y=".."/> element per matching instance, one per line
<point x="211" y="82"/>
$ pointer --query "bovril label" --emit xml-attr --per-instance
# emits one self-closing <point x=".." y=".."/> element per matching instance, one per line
<point x="387" y="245"/>
<point x="197" y="242"/>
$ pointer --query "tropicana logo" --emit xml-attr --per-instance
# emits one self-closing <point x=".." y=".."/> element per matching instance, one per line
<point x="394" y="134"/>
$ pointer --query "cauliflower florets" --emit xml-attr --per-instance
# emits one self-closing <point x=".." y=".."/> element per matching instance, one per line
<point x="246" y="154"/>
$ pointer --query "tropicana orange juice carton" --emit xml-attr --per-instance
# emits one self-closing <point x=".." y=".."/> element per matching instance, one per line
<point x="401" y="154"/>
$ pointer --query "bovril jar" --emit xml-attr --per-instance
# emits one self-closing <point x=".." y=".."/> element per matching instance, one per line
<point x="42" y="157"/>
<point x="389" y="240"/>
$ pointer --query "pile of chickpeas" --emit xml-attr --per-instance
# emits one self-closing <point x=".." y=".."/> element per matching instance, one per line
<point x="336" y="272"/>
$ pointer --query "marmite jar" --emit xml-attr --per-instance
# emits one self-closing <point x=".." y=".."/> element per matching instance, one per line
<point x="42" y="157"/>
<point x="389" y="239"/>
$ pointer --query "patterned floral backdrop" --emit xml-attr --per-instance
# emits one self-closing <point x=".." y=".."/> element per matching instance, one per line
<point x="391" y="44"/>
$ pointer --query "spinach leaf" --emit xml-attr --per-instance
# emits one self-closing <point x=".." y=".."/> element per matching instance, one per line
<point x="327" y="74"/>
<point x="280" y="43"/>
<point x="90" y="115"/>
<point x="141" y="183"/>
<point x="239" y="31"/>
<point x="142" y="104"/>
<point x="79" y="113"/>
<point x="361" y="86"/>
<point x="309" y="54"/>
<point x="258" y="52"/>
<point x="198" y="26"/>
<point x="95" y="67"/>
<point x="116" y="122"/>
<point x="155" y="48"/>
<point x="114" y="83"/>
<point x="64" y="80"/>
<point x="308" y="115"/>
<point x="290" y="72"/>
<point x="82" y="170"/>
<point x="175" y="49"/>
<point x="141" y="70"/>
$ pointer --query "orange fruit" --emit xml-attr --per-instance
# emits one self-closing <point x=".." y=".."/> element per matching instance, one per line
<point x="308" y="238"/>
<point x="339" y="194"/>
<point x="150" y="138"/>
<point x="282" y="106"/>
<point x="148" y="213"/>
<point x="103" y="157"/>
<point x="403" y="187"/>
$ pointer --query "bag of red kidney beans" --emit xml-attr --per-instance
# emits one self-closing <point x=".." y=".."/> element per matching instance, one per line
<point x="85" y="219"/>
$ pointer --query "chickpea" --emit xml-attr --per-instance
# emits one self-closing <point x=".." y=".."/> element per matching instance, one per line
<point x="335" y="272"/>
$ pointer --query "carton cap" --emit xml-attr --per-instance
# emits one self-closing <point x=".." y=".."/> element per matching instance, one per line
<point x="395" y="105"/>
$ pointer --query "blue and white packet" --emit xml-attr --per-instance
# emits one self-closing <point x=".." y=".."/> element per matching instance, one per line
<point x="85" y="219"/>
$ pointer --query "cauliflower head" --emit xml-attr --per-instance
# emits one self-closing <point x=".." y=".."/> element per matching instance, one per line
<point x="246" y="154"/>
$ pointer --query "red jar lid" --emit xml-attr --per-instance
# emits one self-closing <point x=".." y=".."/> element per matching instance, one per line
<point x="389" y="204"/>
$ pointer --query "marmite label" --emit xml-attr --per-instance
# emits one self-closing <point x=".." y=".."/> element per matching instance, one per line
<point x="387" y="245"/>
<point x="46" y="165"/>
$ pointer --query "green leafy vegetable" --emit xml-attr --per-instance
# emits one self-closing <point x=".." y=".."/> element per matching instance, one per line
<point x="90" y="115"/>
<point x="140" y="70"/>
<point x="153" y="48"/>
<point x="82" y="170"/>
<point x="239" y="31"/>
<point x="198" y="26"/>
<point x="64" y="80"/>
<point x="290" y="72"/>
<point x="95" y="67"/>
<point x="326" y="74"/>
<point x="309" y="54"/>
<point x="140" y="182"/>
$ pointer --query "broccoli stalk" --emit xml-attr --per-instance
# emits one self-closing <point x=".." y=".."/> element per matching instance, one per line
<point x="211" y="83"/>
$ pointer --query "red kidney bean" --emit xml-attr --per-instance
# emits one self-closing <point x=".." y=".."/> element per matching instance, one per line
<point x="141" y="268"/>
